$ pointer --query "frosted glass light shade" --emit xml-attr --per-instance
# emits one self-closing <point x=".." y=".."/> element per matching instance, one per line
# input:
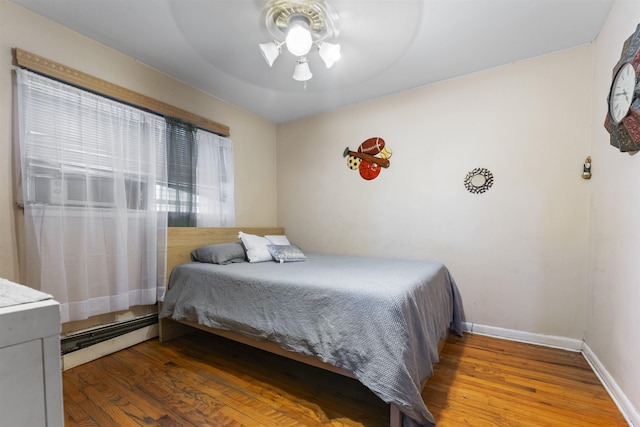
<point x="299" y="41"/>
<point x="330" y="53"/>
<point x="270" y="52"/>
<point x="302" y="73"/>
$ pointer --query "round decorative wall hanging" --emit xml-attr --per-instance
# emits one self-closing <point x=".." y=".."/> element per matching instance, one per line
<point x="623" y="113"/>
<point x="478" y="180"/>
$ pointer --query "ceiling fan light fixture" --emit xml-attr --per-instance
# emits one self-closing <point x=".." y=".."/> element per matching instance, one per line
<point x="300" y="24"/>
<point x="270" y="51"/>
<point x="330" y="53"/>
<point x="302" y="72"/>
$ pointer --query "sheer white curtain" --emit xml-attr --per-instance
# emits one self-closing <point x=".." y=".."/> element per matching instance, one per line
<point x="90" y="167"/>
<point x="215" y="184"/>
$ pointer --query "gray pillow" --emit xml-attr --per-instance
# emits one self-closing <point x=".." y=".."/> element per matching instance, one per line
<point x="220" y="253"/>
<point x="286" y="253"/>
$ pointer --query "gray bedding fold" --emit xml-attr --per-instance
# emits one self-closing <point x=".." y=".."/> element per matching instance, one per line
<point x="379" y="319"/>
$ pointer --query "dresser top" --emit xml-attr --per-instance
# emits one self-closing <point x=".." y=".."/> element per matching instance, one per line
<point x="13" y="294"/>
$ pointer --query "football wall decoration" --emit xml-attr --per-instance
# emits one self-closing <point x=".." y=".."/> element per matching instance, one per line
<point x="371" y="157"/>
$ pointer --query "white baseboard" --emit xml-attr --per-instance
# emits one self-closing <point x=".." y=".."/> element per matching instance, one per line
<point x="526" y="337"/>
<point x="620" y="399"/>
<point x="617" y="395"/>
<point x="96" y="351"/>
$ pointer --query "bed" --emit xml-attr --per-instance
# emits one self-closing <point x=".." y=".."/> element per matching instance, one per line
<point x="381" y="321"/>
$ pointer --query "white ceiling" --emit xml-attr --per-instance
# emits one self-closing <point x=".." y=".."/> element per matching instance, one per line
<point x="387" y="45"/>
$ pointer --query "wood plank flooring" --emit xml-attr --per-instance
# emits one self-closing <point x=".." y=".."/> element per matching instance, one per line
<point x="203" y="380"/>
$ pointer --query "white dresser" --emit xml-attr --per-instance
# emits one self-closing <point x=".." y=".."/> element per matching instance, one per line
<point x="30" y="368"/>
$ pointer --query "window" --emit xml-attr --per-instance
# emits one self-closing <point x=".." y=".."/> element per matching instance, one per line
<point x="94" y="238"/>
<point x="182" y="155"/>
<point x="200" y="185"/>
<point x="95" y="229"/>
<point x="68" y="158"/>
<point x="197" y="192"/>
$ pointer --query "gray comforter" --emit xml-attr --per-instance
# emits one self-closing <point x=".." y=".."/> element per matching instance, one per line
<point x="379" y="319"/>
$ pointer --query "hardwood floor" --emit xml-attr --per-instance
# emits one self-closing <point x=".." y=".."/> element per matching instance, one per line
<point x="483" y="381"/>
<point x="203" y="380"/>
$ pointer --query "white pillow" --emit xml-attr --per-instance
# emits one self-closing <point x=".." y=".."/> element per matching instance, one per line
<point x="256" y="247"/>
<point x="280" y="240"/>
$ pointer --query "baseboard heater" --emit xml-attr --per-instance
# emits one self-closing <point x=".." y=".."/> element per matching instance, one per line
<point x="94" y="336"/>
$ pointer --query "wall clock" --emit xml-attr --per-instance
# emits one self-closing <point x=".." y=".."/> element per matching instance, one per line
<point x="623" y="103"/>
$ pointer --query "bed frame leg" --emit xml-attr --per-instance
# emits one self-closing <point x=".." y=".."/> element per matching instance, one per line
<point x="395" y="416"/>
<point x="170" y="329"/>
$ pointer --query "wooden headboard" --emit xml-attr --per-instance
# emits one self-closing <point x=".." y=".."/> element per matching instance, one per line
<point x="182" y="240"/>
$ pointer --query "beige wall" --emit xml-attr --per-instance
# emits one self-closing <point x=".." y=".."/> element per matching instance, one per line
<point x="543" y="251"/>
<point x="254" y="138"/>
<point x="518" y="251"/>
<point x="613" y="314"/>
